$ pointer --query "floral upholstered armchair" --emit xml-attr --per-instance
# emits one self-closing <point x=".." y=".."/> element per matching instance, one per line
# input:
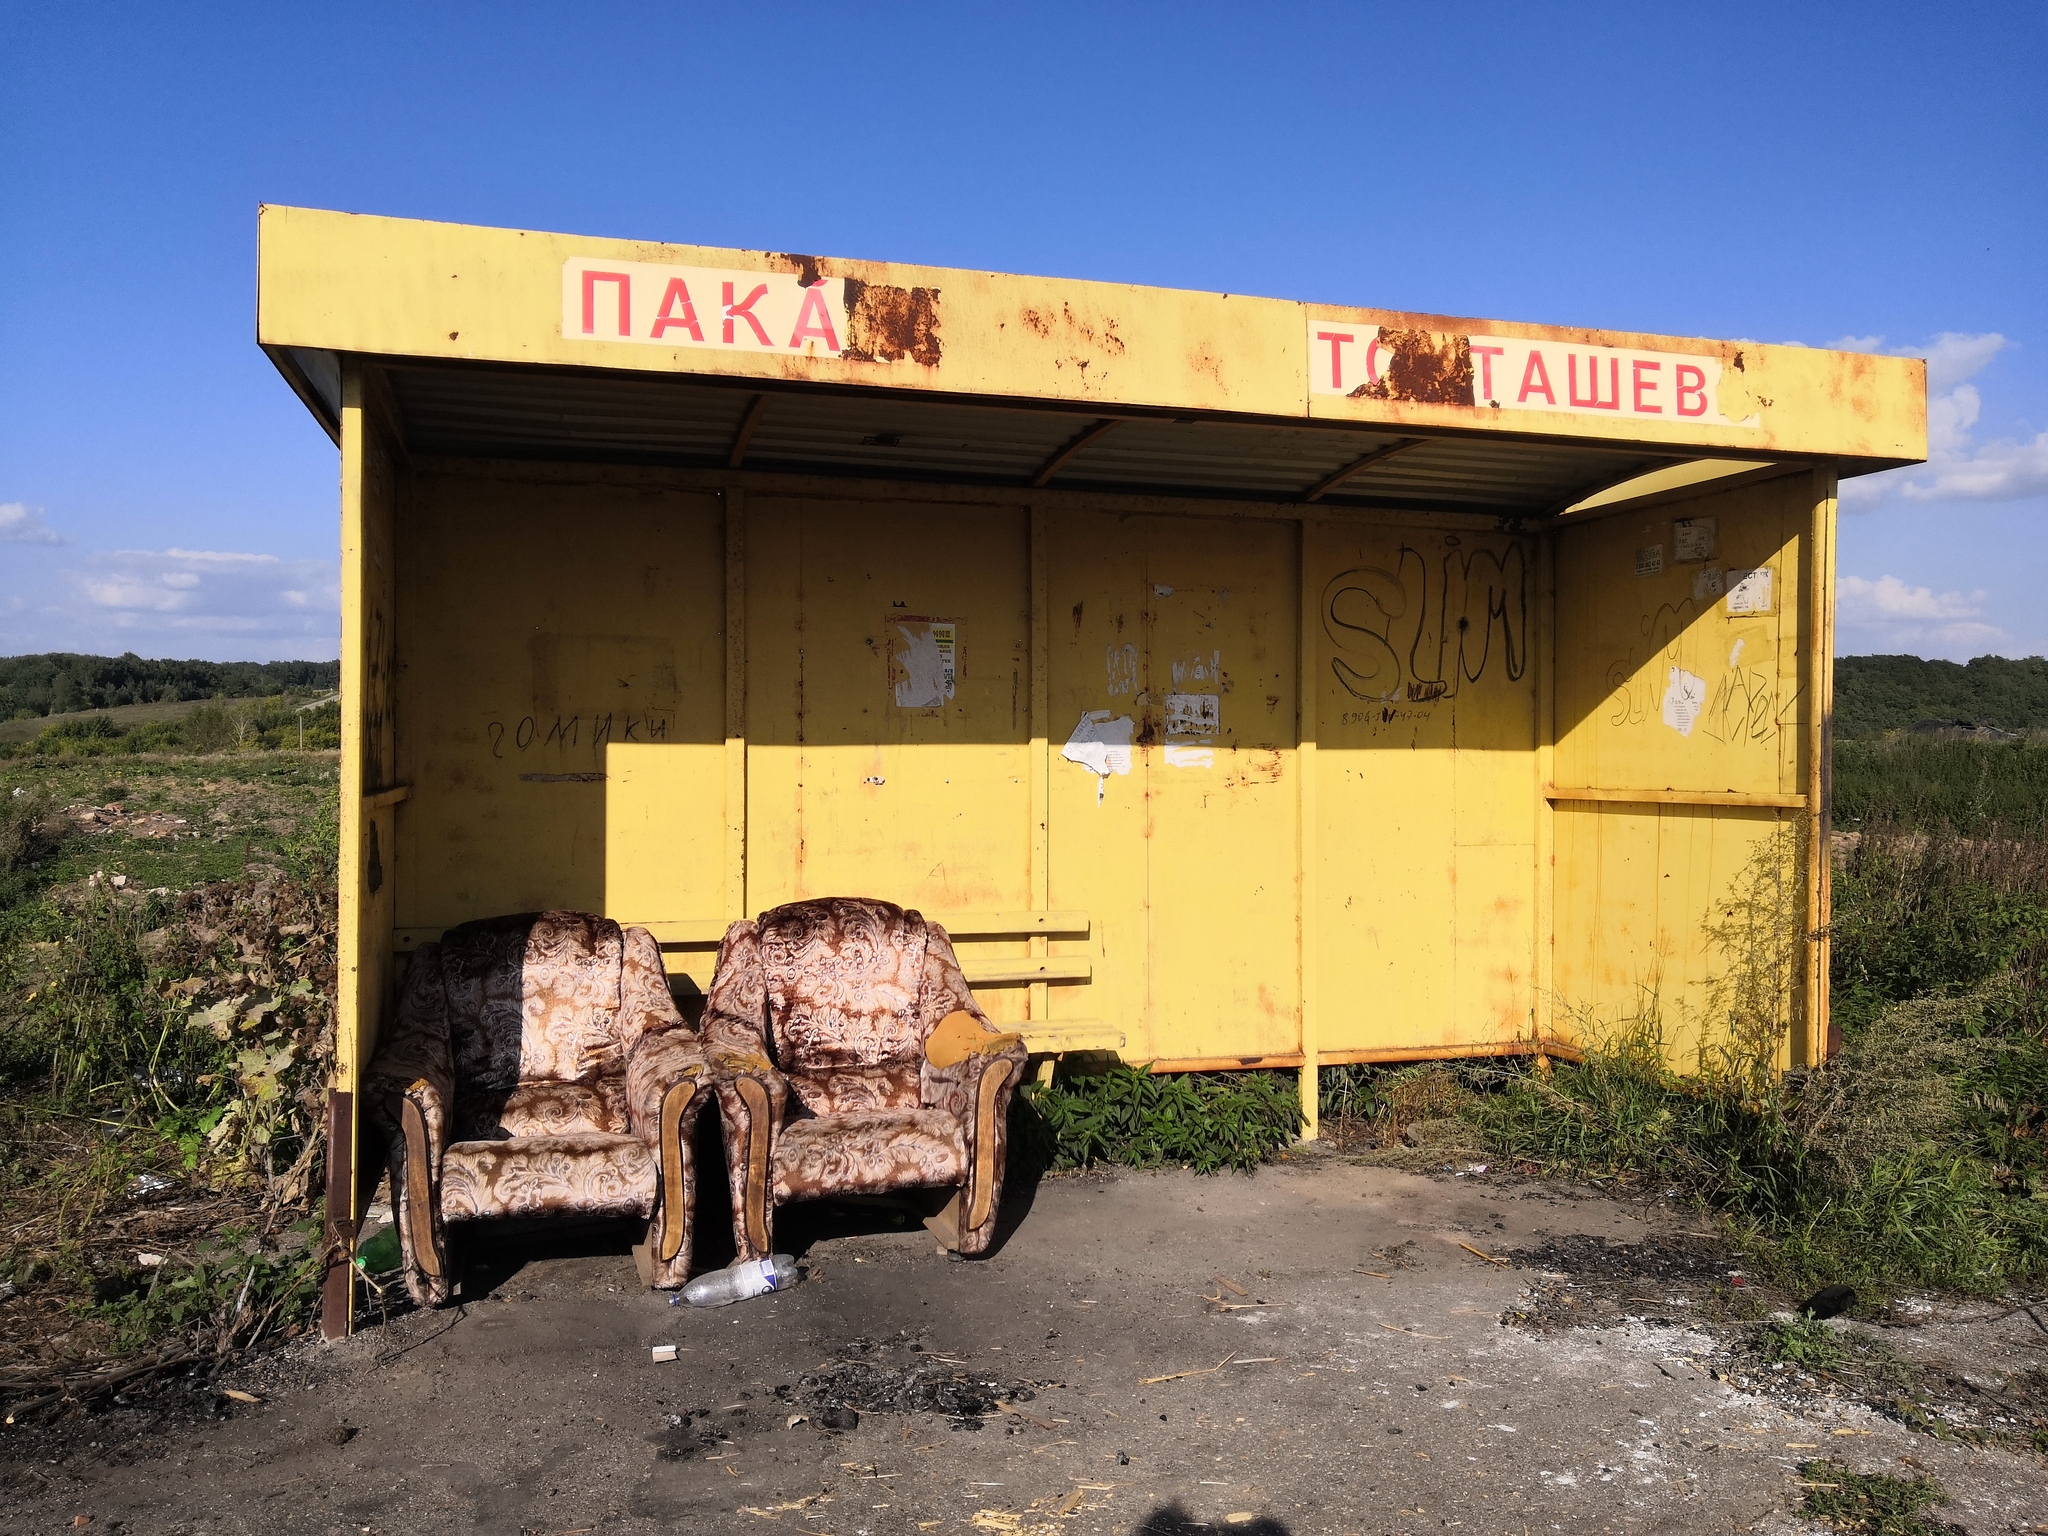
<point x="851" y="1058"/>
<point x="537" y="1066"/>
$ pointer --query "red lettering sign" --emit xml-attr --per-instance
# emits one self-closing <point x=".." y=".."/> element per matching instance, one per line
<point x="590" y="282"/>
<point x="1486" y="355"/>
<point x="745" y="311"/>
<point x="1691" y="380"/>
<point x="1641" y="385"/>
<point x="671" y="318"/>
<point x="814" y="319"/>
<point x="1534" y="377"/>
<point x="1593" y="400"/>
<point x="1337" y="341"/>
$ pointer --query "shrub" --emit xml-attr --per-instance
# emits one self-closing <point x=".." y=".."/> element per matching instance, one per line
<point x="30" y="830"/>
<point x="1122" y="1114"/>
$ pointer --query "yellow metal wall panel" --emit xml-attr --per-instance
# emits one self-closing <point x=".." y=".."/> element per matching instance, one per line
<point x="552" y="634"/>
<point x="664" y="839"/>
<point x="409" y="288"/>
<point x="1426" y="721"/>
<point x="1173" y="641"/>
<point x="370" y="493"/>
<point x="855" y="793"/>
<point x="864" y="779"/>
<point x="1639" y="890"/>
<point x="1659" y="684"/>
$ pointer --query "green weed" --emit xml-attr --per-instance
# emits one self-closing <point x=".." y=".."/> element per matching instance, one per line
<point x="1206" y="1121"/>
<point x="1806" y="1342"/>
<point x="232" y="1291"/>
<point x="1871" y="1504"/>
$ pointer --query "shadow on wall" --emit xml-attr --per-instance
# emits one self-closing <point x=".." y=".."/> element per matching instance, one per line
<point x="1174" y="1520"/>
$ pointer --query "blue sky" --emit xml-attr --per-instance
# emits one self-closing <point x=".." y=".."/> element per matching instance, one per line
<point x="1874" y="176"/>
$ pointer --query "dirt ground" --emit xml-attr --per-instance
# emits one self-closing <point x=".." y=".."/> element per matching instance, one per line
<point x="1357" y="1368"/>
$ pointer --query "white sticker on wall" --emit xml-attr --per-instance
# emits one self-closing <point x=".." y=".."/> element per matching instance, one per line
<point x="1194" y="714"/>
<point x="1684" y="697"/>
<point x="1190" y="757"/>
<point x="924" y="664"/>
<point x="1650" y="560"/>
<point x="1101" y="745"/>
<point x="1692" y="539"/>
<point x="1706" y="584"/>
<point x="1749" y="591"/>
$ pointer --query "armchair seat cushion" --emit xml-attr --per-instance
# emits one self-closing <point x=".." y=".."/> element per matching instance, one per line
<point x="544" y="1109"/>
<point x="590" y="1173"/>
<point x="868" y="1153"/>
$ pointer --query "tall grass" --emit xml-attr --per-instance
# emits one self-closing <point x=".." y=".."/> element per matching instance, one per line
<point x="1968" y="786"/>
<point x="1934" y="913"/>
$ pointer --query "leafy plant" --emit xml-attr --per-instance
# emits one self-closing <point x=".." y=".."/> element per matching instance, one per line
<point x="1871" y="1503"/>
<point x="1206" y="1121"/>
<point x="1806" y="1342"/>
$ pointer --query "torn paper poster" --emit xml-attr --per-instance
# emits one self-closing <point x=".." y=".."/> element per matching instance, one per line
<point x="1650" y="560"/>
<point x="1706" y="584"/>
<point x="924" y="661"/>
<point x="1749" y="591"/>
<point x="1101" y="745"/>
<point x="1684" y="697"/>
<point x="1194" y="714"/>
<point x="1735" y="653"/>
<point x="1692" y="539"/>
<point x="1190" y="757"/>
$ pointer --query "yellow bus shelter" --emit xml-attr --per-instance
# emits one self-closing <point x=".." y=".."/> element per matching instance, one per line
<point x="1243" y="682"/>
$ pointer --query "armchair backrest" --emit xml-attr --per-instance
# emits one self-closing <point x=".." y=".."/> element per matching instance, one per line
<point x="845" y="983"/>
<point x="538" y="998"/>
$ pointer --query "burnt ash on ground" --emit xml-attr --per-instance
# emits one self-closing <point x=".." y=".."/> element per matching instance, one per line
<point x="904" y="1377"/>
<point x="1688" y="1280"/>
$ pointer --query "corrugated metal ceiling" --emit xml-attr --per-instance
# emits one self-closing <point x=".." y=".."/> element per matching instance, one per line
<point x="538" y="413"/>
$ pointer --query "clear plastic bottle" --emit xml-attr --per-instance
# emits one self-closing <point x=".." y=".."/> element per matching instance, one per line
<point x="753" y="1277"/>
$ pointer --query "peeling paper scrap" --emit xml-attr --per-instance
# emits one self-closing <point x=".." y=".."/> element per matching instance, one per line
<point x="926" y="671"/>
<point x="1194" y="714"/>
<point x="1749" y="591"/>
<point x="1102" y="745"/>
<point x="1706" y="584"/>
<point x="1684" y="697"/>
<point x="1190" y="757"/>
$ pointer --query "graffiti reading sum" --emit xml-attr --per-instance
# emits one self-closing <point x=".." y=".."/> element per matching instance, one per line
<point x="1416" y="633"/>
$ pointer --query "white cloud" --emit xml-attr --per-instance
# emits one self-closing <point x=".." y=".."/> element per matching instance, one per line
<point x="21" y="523"/>
<point x="1888" y="615"/>
<point x="129" y="596"/>
<point x="1958" y="468"/>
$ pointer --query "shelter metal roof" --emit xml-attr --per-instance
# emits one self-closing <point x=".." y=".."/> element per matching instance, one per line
<point x="479" y="411"/>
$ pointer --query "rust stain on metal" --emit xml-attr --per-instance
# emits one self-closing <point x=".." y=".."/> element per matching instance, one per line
<point x="885" y="324"/>
<point x="807" y="268"/>
<point x="1105" y="340"/>
<point x="1423" y="367"/>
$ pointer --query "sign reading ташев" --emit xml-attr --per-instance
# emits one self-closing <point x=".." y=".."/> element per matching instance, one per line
<point x="1516" y="374"/>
